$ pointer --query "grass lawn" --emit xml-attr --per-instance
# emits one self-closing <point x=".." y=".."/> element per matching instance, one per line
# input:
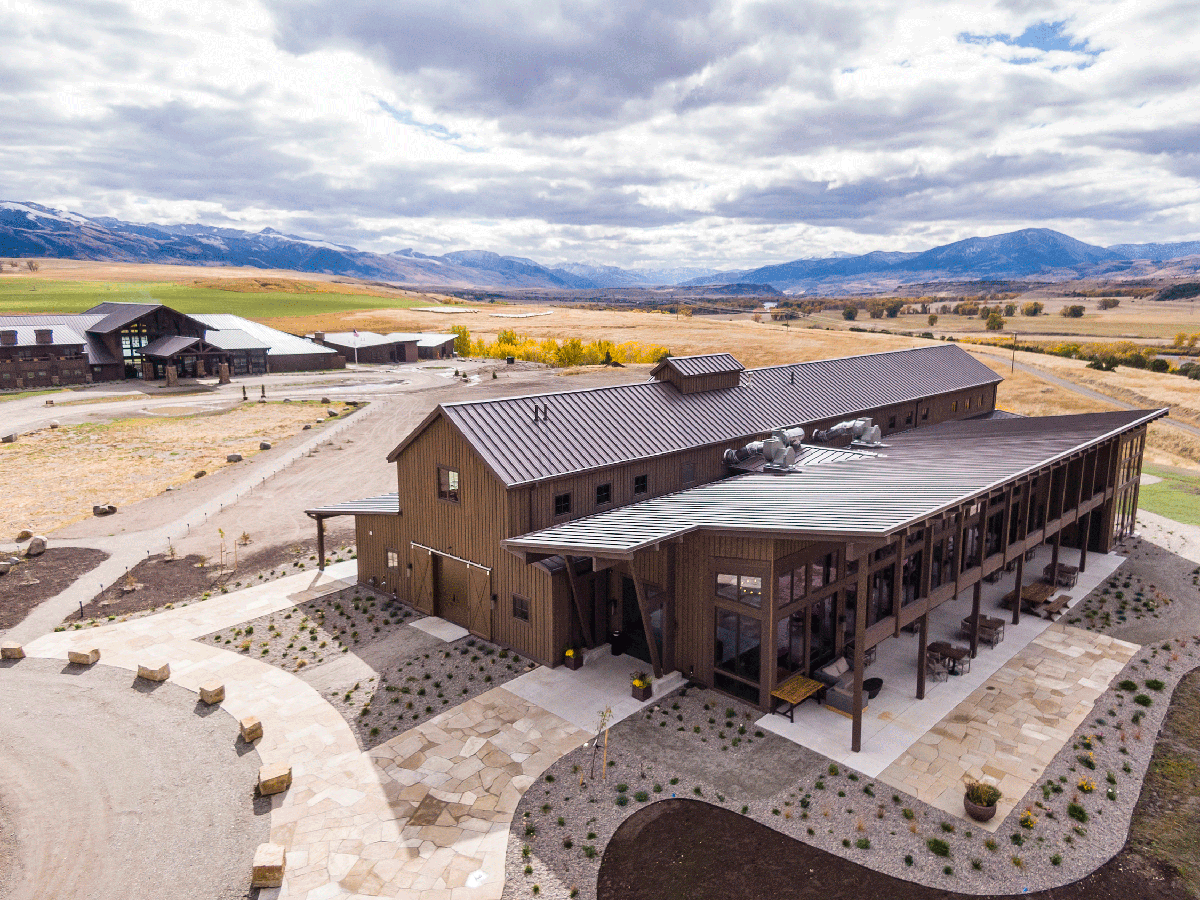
<point x="36" y="295"/>
<point x="1177" y="496"/>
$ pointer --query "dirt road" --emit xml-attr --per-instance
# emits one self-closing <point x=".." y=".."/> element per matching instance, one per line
<point x="113" y="792"/>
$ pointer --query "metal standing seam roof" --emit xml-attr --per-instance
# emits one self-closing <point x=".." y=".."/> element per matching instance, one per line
<point x="168" y="345"/>
<point x="921" y="473"/>
<point x="362" y="339"/>
<point x="706" y="364"/>
<point x="233" y="339"/>
<point x="278" y="343"/>
<point x="60" y="335"/>
<point x="597" y="427"/>
<point x="422" y="338"/>
<point x="383" y="505"/>
<point x="81" y="324"/>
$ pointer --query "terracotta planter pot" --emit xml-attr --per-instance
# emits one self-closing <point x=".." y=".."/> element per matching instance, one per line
<point x="574" y="662"/>
<point x="978" y="813"/>
<point x="642" y="694"/>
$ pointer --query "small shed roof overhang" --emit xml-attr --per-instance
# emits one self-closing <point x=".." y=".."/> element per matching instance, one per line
<point x="382" y="505"/>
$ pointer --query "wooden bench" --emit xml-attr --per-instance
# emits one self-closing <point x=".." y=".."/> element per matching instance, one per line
<point x="1033" y="596"/>
<point x="796" y="690"/>
<point x="1055" y="606"/>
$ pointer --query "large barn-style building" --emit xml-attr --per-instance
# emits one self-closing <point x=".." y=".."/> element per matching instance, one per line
<point x="116" y="341"/>
<point x="741" y="525"/>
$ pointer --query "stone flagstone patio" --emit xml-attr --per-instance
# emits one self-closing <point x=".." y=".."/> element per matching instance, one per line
<point x="1008" y="730"/>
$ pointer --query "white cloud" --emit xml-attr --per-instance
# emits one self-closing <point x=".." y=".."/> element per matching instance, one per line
<point x="725" y="133"/>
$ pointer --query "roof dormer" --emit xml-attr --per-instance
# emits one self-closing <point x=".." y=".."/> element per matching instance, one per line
<point x="694" y="374"/>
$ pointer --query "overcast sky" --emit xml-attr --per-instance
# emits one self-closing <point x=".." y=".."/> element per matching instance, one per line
<point x="682" y="132"/>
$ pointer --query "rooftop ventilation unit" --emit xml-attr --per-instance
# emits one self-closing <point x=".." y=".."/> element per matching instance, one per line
<point x="859" y="431"/>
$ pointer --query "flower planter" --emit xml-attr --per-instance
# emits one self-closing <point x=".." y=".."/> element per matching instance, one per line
<point x="978" y="813"/>
<point x="574" y="662"/>
<point x="642" y="694"/>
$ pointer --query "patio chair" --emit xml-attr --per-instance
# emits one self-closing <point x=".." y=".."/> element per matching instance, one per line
<point x="936" y="669"/>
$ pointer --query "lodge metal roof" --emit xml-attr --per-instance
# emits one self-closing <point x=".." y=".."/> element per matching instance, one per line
<point x="278" y="343"/>
<point x="706" y="364"/>
<point x="168" y="345"/>
<point x="920" y="474"/>
<point x="118" y="315"/>
<point x="588" y="429"/>
<point x="383" y="505"/>
<point x="60" y="335"/>
<point x="233" y="339"/>
<point x="361" y="339"/>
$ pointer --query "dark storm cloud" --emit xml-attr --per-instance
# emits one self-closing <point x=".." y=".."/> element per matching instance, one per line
<point x="554" y="68"/>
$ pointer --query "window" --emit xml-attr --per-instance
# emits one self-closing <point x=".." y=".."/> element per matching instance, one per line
<point x="968" y="403"/>
<point x="393" y="559"/>
<point x="520" y="607"/>
<point x="908" y="419"/>
<point x="689" y="473"/>
<point x="641" y="484"/>
<point x="745" y="589"/>
<point x="925" y="414"/>
<point x="891" y="423"/>
<point x="562" y="504"/>
<point x="603" y="494"/>
<point x="954" y="406"/>
<point x="448" y="484"/>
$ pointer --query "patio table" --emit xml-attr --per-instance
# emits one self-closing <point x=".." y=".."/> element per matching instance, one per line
<point x="955" y="656"/>
<point x="796" y="690"/>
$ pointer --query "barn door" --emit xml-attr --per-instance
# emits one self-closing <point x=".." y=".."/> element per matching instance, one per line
<point x="422" y="580"/>
<point x="481" y="602"/>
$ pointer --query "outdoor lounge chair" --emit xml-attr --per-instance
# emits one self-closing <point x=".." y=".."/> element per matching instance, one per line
<point x="936" y="669"/>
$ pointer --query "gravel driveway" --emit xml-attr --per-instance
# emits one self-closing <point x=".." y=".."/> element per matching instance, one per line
<point x="111" y="790"/>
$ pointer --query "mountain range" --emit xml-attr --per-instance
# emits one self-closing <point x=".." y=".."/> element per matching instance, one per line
<point x="32" y="230"/>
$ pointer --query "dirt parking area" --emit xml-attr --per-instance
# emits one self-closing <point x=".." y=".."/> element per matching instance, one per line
<point x="127" y="460"/>
<point x="113" y="790"/>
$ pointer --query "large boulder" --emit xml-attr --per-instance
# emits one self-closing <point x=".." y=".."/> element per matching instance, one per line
<point x="106" y="509"/>
<point x="37" y="545"/>
<point x="233" y="457"/>
<point x="269" y="863"/>
<point x="10" y="438"/>
<point x="264" y="445"/>
<point x="23" y="535"/>
<point x="5" y="567"/>
<point x="274" y="779"/>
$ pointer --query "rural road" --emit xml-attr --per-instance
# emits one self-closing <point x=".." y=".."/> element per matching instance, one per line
<point x="1066" y="385"/>
<point x="266" y="495"/>
<point x="106" y="786"/>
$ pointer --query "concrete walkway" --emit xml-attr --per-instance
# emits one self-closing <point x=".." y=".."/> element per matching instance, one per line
<point x="426" y="814"/>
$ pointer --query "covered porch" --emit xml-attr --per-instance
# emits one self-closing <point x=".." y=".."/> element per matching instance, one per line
<point x="896" y="719"/>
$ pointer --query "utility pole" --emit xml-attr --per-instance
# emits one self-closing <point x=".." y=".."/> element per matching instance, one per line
<point x="1013" y="367"/>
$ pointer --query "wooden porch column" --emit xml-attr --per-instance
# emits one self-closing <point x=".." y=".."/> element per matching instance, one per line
<point x="1006" y="525"/>
<point x="644" y="608"/>
<point x="584" y="625"/>
<point x="922" y="655"/>
<point x="976" y="596"/>
<point x="898" y="578"/>
<point x="1054" y="557"/>
<point x="1016" y="619"/>
<point x="320" y="543"/>
<point x="669" y="614"/>
<point x="1085" y="535"/>
<point x="860" y="638"/>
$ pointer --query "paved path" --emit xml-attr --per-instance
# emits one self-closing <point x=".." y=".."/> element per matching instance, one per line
<point x="1010" y="728"/>
<point x="426" y="814"/>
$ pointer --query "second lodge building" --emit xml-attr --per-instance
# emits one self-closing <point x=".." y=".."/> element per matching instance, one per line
<point x="690" y="520"/>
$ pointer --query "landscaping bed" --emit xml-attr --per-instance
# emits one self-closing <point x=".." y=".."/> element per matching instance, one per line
<point x="38" y="578"/>
<point x="1074" y="819"/>
<point x="164" y="582"/>
<point x="359" y="650"/>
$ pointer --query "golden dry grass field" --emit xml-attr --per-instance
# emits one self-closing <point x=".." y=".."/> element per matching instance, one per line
<point x="53" y="477"/>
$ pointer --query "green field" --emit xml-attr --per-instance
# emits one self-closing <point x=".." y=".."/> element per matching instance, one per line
<point x="1177" y="496"/>
<point x="35" y="295"/>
